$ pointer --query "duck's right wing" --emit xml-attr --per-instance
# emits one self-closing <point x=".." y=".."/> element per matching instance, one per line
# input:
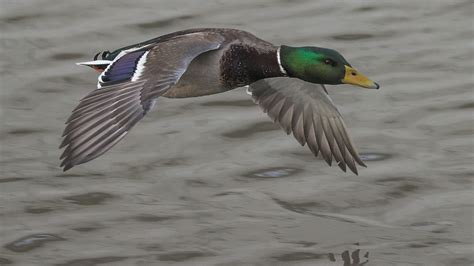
<point x="306" y="110"/>
<point x="127" y="89"/>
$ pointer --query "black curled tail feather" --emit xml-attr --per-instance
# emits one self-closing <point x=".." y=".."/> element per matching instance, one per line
<point x="103" y="55"/>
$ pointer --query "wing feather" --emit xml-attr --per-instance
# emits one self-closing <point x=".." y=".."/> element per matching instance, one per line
<point x="127" y="90"/>
<point x="306" y="110"/>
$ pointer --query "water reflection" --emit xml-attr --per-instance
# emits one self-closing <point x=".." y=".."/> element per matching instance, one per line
<point x="30" y="242"/>
<point x="367" y="157"/>
<point x="354" y="258"/>
<point x="275" y="172"/>
<point x="346" y="258"/>
<point x="351" y="259"/>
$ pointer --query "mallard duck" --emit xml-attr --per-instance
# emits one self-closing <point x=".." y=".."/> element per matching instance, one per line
<point x="286" y="82"/>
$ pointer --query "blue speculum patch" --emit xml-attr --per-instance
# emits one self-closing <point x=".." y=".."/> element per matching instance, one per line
<point x="123" y="69"/>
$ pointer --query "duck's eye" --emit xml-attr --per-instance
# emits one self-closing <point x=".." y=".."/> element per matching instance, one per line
<point x="330" y="62"/>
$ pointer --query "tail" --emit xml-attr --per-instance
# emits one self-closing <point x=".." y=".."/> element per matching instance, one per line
<point x="98" y="64"/>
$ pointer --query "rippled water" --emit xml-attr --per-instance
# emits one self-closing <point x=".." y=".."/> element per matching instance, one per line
<point x="211" y="181"/>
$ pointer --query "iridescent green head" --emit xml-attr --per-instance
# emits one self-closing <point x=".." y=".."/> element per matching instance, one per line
<point x="322" y="66"/>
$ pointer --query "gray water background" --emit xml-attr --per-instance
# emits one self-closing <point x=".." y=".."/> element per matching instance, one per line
<point x="210" y="180"/>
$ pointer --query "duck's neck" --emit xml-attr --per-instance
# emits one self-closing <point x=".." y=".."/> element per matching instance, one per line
<point x="243" y="65"/>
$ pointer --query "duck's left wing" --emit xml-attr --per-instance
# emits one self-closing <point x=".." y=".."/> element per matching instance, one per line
<point x="306" y="110"/>
<point x="127" y="90"/>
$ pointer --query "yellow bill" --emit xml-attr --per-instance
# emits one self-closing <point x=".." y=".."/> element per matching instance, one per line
<point x="353" y="77"/>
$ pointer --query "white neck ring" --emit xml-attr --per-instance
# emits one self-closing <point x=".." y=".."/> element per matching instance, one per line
<point x="282" y="69"/>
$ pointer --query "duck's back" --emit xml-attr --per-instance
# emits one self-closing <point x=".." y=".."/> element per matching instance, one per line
<point x="210" y="72"/>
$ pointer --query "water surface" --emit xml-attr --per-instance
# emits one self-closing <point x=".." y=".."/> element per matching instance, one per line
<point x="211" y="181"/>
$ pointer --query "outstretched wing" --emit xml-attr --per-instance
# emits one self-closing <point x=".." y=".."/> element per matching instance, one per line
<point x="306" y="110"/>
<point x="127" y="89"/>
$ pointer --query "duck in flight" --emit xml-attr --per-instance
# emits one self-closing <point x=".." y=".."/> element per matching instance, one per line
<point x="286" y="82"/>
